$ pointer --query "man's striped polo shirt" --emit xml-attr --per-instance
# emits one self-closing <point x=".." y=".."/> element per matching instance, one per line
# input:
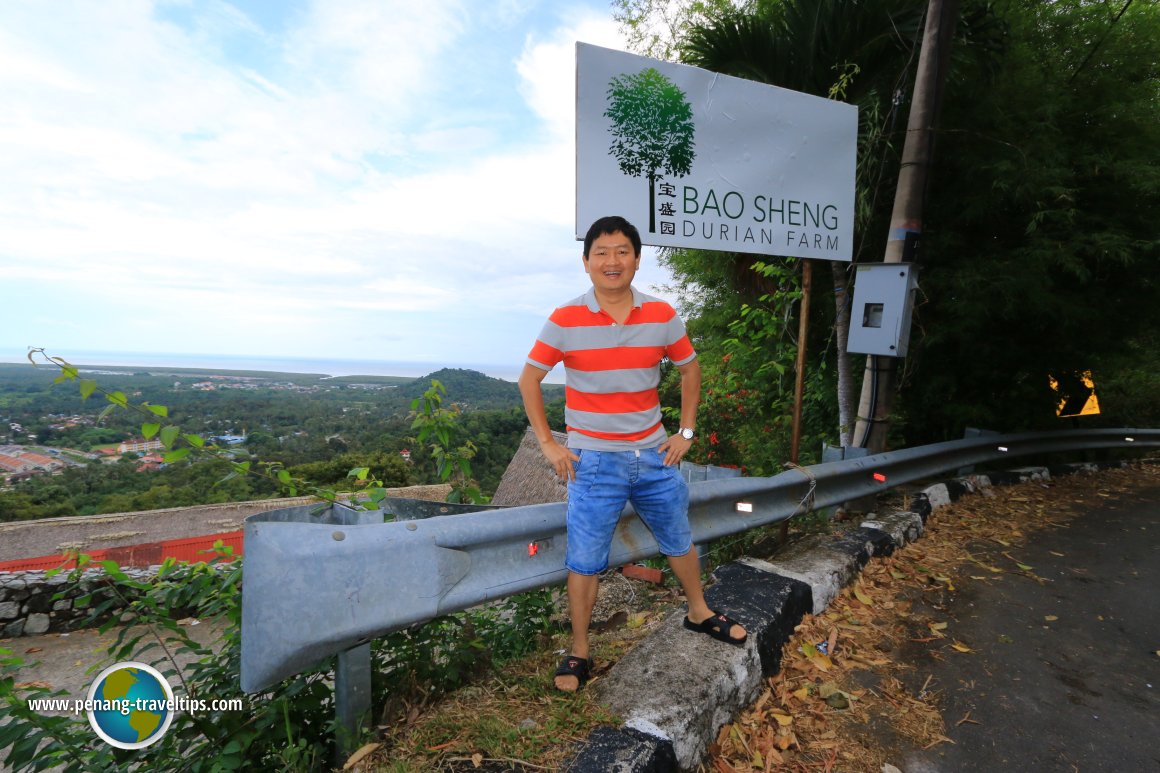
<point x="611" y="371"/>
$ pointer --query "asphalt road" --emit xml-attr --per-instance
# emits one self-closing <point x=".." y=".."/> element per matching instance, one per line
<point x="1066" y="673"/>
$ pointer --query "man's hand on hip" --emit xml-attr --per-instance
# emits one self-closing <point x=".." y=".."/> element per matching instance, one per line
<point x="560" y="458"/>
<point x="675" y="449"/>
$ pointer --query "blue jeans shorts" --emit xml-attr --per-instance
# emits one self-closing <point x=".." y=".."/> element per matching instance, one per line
<point x="605" y="480"/>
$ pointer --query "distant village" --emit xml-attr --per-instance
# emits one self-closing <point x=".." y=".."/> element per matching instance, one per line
<point x="21" y="462"/>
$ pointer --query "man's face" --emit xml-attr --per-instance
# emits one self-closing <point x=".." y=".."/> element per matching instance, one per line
<point x="611" y="262"/>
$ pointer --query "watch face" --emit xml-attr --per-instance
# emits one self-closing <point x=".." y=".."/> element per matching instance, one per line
<point x="687" y="434"/>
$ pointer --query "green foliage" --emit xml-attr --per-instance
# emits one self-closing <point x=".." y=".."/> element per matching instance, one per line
<point x="312" y="427"/>
<point x="290" y="726"/>
<point x="448" y="651"/>
<point x="146" y="616"/>
<point x="748" y="369"/>
<point x="653" y="27"/>
<point x="436" y="423"/>
<point x="1043" y="255"/>
<point x="1039" y="250"/>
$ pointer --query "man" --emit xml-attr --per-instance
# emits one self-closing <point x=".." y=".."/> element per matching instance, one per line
<point x="612" y="340"/>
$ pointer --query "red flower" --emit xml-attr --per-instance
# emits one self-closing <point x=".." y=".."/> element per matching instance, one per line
<point x="713" y="438"/>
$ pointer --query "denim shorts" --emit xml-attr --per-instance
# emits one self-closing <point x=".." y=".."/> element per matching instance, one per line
<point x="605" y="481"/>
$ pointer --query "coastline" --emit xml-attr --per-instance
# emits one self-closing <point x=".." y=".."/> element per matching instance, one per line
<point x="326" y="367"/>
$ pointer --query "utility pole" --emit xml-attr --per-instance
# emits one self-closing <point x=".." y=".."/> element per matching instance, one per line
<point x="906" y="219"/>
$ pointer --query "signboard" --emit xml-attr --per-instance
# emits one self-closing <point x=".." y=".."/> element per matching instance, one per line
<point x="702" y="160"/>
<point x="1075" y="393"/>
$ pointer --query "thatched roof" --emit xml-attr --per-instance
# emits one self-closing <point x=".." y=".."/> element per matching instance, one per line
<point x="529" y="479"/>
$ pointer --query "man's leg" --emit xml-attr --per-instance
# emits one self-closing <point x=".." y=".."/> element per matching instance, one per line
<point x="687" y="568"/>
<point x="595" y="500"/>
<point x="581" y="601"/>
<point x="661" y="496"/>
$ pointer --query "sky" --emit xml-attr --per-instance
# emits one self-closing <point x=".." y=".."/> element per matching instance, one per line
<point x="339" y="179"/>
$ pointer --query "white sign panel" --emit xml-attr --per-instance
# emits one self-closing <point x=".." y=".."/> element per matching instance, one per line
<point x="697" y="159"/>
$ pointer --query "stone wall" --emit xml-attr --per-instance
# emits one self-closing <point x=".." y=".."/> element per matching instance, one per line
<point x="51" y="536"/>
<point x="29" y="603"/>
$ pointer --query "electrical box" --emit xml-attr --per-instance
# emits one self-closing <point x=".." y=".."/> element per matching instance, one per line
<point x="883" y="302"/>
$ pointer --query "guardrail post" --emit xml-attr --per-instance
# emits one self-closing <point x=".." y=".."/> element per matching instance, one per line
<point x="839" y="454"/>
<point x="352" y="697"/>
<point x="702" y="554"/>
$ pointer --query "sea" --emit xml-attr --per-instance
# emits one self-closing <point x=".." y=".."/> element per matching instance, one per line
<point x="322" y="365"/>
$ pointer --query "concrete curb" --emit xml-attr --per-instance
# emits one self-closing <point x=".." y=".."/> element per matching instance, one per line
<point x="675" y="689"/>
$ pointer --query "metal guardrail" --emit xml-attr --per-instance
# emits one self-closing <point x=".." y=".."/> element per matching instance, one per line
<point x="323" y="581"/>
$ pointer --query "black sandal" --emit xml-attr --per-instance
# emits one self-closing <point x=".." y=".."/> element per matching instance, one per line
<point x="717" y="626"/>
<point x="581" y="668"/>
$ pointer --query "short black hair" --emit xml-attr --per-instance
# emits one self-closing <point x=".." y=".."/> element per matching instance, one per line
<point x="610" y="225"/>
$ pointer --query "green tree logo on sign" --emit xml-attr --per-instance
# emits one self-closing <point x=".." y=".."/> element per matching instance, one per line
<point x="652" y="130"/>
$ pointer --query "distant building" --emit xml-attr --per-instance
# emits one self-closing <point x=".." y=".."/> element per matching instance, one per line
<point x="406" y="454"/>
<point x="229" y="440"/>
<point x="138" y="446"/>
<point x="150" y="462"/>
<point x="17" y="463"/>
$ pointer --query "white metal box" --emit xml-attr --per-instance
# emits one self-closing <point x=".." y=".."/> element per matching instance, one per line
<point x="883" y="302"/>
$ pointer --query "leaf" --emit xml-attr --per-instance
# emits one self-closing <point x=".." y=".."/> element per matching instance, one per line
<point x="785" y="720"/>
<point x="959" y="646"/>
<point x="158" y="410"/>
<point x="284" y="477"/>
<point x="861" y="596"/>
<point x="937" y="626"/>
<point x="88" y="386"/>
<point x="168" y="435"/>
<point x="1024" y="567"/>
<point x="833" y="696"/>
<point x="1050" y="618"/>
<point x="149" y="430"/>
<point x="818" y="659"/>
<point x="195" y="440"/>
<point x="176" y="455"/>
<point x="118" y="399"/>
<point x="355" y="758"/>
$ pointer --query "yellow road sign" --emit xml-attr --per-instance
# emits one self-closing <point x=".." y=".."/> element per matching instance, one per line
<point x="1076" y="393"/>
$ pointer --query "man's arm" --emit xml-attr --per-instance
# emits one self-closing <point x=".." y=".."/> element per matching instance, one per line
<point x="557" y="455"/>
<point x="676" y="446"/>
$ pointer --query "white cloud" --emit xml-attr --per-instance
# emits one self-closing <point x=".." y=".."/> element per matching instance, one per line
<point x="339" y="173"/>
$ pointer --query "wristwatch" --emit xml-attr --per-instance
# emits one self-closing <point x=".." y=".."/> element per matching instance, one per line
<point x="687" y="433"/>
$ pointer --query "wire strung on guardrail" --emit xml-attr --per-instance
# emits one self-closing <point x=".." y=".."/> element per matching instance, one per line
<point x="807" y="502"/>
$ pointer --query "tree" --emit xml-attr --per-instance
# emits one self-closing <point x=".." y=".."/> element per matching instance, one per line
<point x="1044" y="258"/>
<point x="1041" y="257"/>
<point x="652" y="129"/>
<point x="655" y="27"/>
<point x="855" y="52"/>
